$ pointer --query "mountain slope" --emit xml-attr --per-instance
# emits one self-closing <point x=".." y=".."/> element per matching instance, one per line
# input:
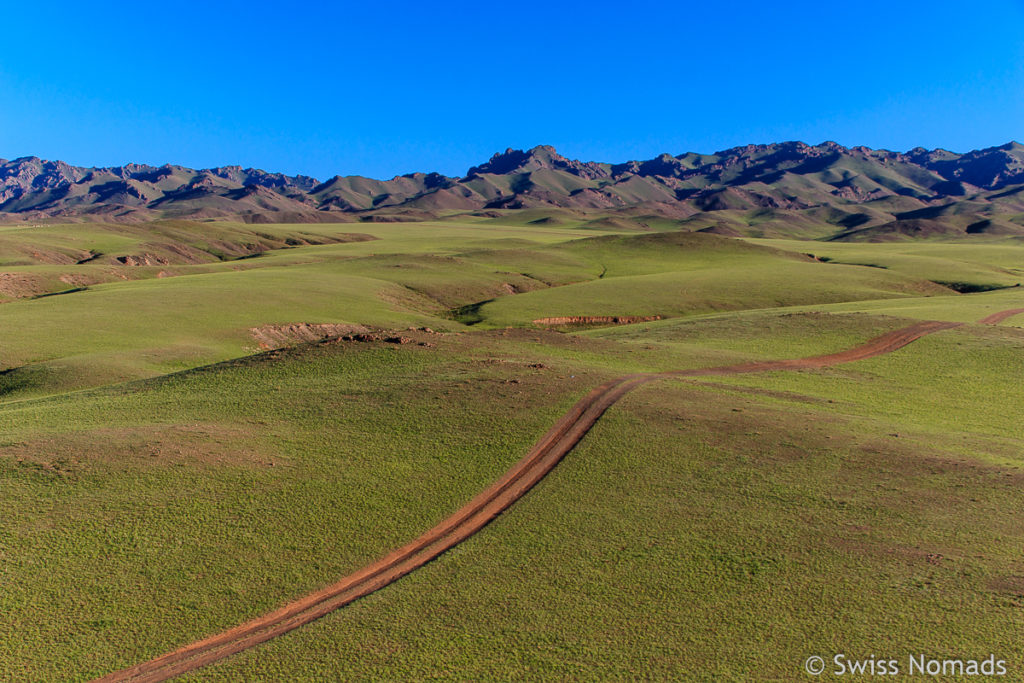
<point x="825" y="191"/>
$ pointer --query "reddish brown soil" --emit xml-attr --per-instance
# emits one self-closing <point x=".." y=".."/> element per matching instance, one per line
<point x="281" y="336"/>
<point x="21" y="285"/>
<point x="999" y="317"/>
<point x="142" y="260"/>
<point x="597" y="320"/>
<point x="473" y="516"/>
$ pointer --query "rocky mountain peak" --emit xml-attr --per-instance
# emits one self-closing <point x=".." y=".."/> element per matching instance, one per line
<point x="787" y="175"/>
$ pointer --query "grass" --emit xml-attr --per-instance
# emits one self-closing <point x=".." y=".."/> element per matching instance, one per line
<point x="150" y="327"/>
<point x="179" y="505"/>
<point x="966" y="308"/>
<point x="140" y="327"/>
<point x="865" y="508"/>
<point x="976" y="368"/>
<point x="729" y="518"/>
<point x="203" y="313"/>
<point x="988" y="263"/>
<point x="681" y="274"/>
<point x="685" y="586"/>
<point x="737" y="337"/>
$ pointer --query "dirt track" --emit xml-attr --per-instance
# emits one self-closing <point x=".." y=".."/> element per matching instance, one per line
<point x="473" y="516"/>
<point x="999" y="317"/>
<point x="597" y="320"/>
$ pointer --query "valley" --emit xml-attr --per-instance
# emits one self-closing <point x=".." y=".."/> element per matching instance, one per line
<point x="183" y="453"/>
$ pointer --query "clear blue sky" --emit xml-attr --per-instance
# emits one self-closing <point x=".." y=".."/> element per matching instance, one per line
<point x="385" y="88"/>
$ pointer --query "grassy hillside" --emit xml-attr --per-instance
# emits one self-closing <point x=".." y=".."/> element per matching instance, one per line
<point x="166" y="509"/>
<point x="678" y="274"/>
<point x="148" y="320"/>
<point x="161" y="483"/>
<point x="698" y="523"/>
<point x="979" y="266"/>
<point x="203" y="312"/>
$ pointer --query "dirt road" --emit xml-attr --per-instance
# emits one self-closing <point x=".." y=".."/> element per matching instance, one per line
<point x="473" y="516"/>
<point x="999" y="317"/>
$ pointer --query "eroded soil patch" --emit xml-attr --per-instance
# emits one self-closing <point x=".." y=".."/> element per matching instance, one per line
<point x="280" y="336"/>
<point x="597" y="320"/>
<point x="63" y="455"/>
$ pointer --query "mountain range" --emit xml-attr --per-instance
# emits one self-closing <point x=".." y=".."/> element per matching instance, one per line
<point x="784" y="189"/>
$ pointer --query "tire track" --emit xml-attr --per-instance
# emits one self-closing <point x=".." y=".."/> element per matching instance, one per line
<point x="478" y="512"/>
<point x="999" y="317"/>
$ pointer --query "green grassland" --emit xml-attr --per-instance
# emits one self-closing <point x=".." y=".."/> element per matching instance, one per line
<point x="203" y="312"/>
<point x="965" y="308"/>
<point x="675" y="274"/>
<point x="988" y="264"/>
<point x="159" y="483"/>
<point x="698" y="535"/>
<point x="135" y="514"/>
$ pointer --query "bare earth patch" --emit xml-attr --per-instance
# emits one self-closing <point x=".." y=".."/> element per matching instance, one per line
<point x="17" y="285"/>
<point x="280" y="336"/>
<point x="143" y="260"/>
<point x="597" y="320"/>
<point x="1011" y="585"/>
<point x="77" y="280"/>
<point x="63" y="455"/>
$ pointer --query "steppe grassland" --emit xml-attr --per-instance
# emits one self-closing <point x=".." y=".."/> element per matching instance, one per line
<point x="985" y="262"/>
<point x="701" y="515"/>
<point x="203" y="312"/>
<point x="140" y="515"/>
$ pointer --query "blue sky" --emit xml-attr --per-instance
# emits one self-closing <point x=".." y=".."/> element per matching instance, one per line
<point x="380" y="89"/>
